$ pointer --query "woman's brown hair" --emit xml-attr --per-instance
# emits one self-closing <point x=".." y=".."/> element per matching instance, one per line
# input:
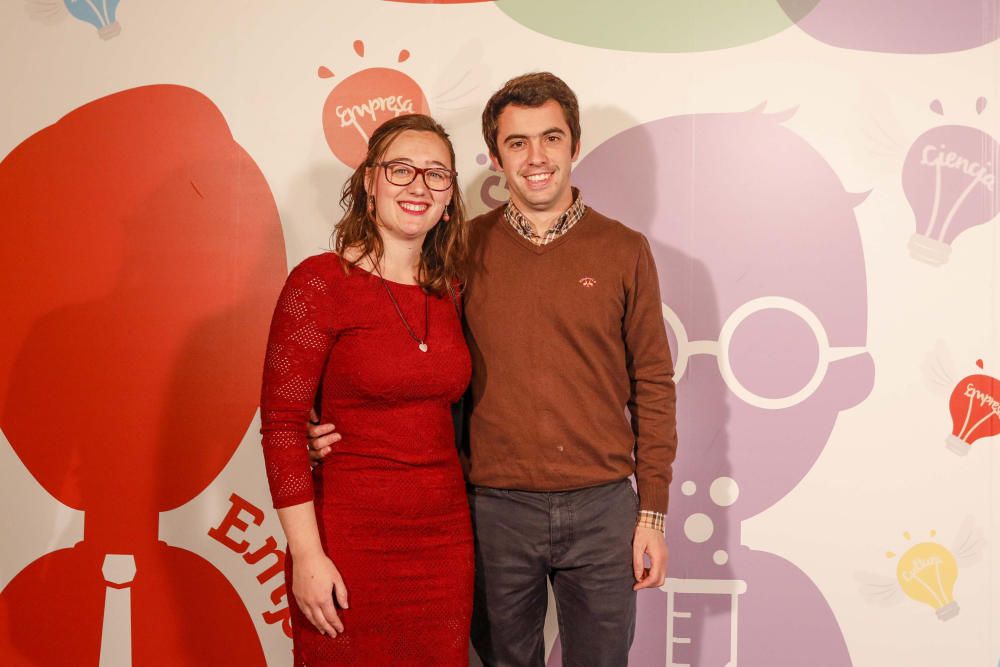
<point x="445" y="248"/>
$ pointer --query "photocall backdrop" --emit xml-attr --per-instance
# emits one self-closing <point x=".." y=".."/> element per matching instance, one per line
<point x="817" y="180"/>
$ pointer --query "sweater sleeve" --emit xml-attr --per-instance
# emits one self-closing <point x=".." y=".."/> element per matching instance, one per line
<point x="297" y="348"/>
<point x="652" y="400"/>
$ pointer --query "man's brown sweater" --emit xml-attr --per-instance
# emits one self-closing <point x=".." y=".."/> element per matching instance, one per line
<point x="564" y="337"/>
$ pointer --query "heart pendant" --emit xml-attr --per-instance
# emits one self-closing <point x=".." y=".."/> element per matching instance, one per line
<point x="422" y="347"/>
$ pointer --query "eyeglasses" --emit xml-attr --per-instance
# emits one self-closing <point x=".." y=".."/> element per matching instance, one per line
<point x="720" y="349"/>
<point x="435" y="178"/>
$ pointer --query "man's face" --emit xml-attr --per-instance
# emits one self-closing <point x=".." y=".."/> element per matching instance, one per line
<point x="536" y="156"/>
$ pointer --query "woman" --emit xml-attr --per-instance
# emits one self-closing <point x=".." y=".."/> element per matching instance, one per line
<point x="379" y="540"/>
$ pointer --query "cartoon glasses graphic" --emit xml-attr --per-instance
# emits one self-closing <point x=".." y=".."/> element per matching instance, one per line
<point x="720" y="349"/>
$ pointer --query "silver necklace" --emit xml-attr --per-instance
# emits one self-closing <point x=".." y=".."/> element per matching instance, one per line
<point x="421" y="342"/>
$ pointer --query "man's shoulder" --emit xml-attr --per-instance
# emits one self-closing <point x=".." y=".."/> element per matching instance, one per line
<point x="488" y="218"/>
<point x="613" y="229"/>
<point x="484" y="225"/>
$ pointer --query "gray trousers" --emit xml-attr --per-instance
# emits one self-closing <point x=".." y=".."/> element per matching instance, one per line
<point x="581" y="541"/>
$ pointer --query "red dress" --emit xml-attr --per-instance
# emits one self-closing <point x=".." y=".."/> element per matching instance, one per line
<point x="390" y="497"/>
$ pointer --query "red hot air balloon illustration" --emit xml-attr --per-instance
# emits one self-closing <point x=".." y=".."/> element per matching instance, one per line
<point x="141" y="259"/>
<point x="975" y="411"/>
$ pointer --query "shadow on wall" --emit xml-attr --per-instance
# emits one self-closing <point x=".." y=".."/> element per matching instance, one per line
<point x="139" y="286"/>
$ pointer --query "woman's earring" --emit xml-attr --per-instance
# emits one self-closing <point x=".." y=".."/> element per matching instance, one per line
<point x="371" y="203"/>
<point x="446" y="217"/>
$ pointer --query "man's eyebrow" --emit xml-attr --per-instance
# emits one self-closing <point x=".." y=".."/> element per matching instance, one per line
<point x="551" y="130"/>
<point x="511" y="137"/>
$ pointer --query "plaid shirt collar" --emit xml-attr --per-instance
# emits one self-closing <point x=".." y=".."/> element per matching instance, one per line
<point x="563" y="223"/>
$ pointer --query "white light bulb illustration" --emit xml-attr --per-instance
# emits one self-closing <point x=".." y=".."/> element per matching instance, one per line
<point x="949" y="178"/>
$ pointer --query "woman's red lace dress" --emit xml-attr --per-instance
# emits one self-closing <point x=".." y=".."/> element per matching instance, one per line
<point x="390" y="498"/>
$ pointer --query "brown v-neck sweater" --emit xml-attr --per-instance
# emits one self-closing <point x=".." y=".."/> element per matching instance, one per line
<point x="564" y="337"/>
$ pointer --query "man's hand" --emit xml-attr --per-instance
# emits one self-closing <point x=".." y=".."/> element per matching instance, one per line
<point x="321" y="438"/>
<point x="649" y="542"/>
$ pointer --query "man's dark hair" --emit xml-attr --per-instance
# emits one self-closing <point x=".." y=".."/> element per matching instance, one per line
<point x="531" y="90"/>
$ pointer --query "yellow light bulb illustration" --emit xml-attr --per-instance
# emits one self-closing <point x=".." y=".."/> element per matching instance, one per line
<point x="927" y="573"/>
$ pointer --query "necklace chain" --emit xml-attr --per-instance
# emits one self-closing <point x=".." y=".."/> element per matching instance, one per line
<point x="421" y="342"/>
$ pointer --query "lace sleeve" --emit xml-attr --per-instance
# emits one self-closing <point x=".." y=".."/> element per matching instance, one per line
<point x="297" y="348"/>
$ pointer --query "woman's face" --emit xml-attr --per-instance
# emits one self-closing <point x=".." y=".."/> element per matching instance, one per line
<point x="408" y="212"/>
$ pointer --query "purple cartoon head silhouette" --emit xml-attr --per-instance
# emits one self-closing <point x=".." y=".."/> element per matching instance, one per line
<point x="765" y="301"/>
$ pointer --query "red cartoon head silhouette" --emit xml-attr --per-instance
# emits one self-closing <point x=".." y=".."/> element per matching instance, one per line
<point x="144" y="256"/>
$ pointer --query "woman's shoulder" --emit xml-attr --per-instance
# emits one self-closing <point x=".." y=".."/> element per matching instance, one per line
<point x="320" y="272"/>
<point x="326" y="264"/>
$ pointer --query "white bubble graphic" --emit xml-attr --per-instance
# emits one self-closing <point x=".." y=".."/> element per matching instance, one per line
<point x="720" y="557"/>
<point x="698" y="527"/>
<point x="688" y="488"/>
<point x="724" y="491"/>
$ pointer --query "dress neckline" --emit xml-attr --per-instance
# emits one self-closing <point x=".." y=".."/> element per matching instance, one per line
<point x="374" y="276"/>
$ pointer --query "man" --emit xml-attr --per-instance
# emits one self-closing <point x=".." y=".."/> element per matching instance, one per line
<point x="564" y="324"/>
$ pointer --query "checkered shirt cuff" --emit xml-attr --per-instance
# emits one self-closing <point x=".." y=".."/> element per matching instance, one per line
<point x="650" y="519"/>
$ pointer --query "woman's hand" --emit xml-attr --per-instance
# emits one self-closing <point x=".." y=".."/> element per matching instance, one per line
<point x="315" y="581"/>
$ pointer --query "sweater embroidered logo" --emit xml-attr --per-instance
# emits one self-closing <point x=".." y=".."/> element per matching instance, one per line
<point x="587" y="281"/>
